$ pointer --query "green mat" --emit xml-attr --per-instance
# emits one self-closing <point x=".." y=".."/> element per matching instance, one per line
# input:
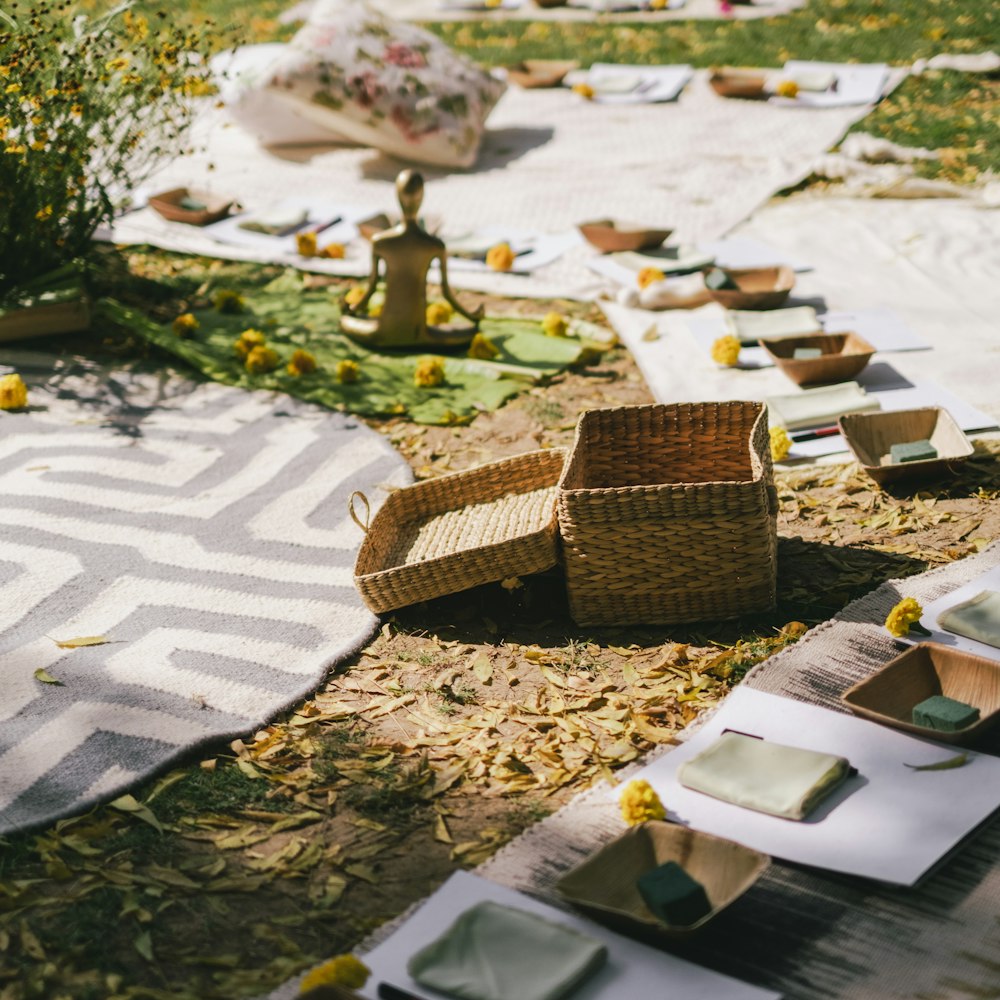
<point x="294" y="317"/>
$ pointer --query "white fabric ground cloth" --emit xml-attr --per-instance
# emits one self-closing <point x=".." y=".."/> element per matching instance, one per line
<point x="549" y="161"/>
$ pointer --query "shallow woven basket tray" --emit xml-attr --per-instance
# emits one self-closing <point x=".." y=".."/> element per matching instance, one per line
<point x="844" y="357"/>
<point x="923" y="671"/>
<point x="605" y="884"/>
<point x="668" y="514"/>
<point x="459" y="531"/>
<point x="756" y="287"/>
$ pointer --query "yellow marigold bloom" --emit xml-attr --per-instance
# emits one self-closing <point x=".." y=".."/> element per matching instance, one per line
<point x="787" y="88"/>
<point x="333" y="251"/>
<point x="261" y="360"/>
<point x="228" y="301"/>
<point x="483" y="348"/>
<point x="640" y="804"/>
<point x="500" y="257"/>
<point x="302" y="363"/>
<point x="658" y="4"/>
<point x="429" y="373"/>
<point x="13" y="392"/>
<point x="439" y="313"/>
<point x="185" y="325"/>
<point x="196" y="86"/>
<point x="649" y="276"/>
<point x="554" y="325"/>
<point x="354" y="295"/>
<point x="781" y="443"/>
<point x="52" y="92"/>
<point x="726" y="350"/>
<point x="76" y="110"/>
<point x="136" y="24"/>
<point x="348" y="370"/>
<point x="904" y="616"/>
<point x="16" y="148"/>
<point x="306" y="244"/>
<point x="492" y="3"/>
<point x="44" y="213"/>
<point x="584" y="90"/>
<point x="247" y="341"/>
<point x="344" y="970"/>
<point x="118" y="63"/>
<point x="12" y="88"/>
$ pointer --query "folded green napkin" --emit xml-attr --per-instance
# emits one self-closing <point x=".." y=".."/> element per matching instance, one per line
<point x="767" y="777"/>
<point x="669" y="260"/>
<point x="815" y="407"/>
<point x="773" y="324"/>
<point x="977" y="618"/>
<point x="494" y="952"/>
<point x="276" y="221"/>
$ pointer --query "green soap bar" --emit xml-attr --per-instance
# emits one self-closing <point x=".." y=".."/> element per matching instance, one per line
<point x="718" y="280"/>
<point x="912" y="451"/>
<point x="672" y="895"/>
<point x="944" y="714"/>
<point x="192" y="205"/>
<point x="806" y="353"/>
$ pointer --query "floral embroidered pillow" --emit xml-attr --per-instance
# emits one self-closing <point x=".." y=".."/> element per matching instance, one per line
<point x="385" y="84"/>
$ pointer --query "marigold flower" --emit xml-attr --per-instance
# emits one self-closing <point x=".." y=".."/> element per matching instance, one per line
<point x="185" y="325"/>
<point x="13" y="392"/>
<point x="343" y="970"/>
<point x="781" y="443"/>
<point x="584" y="90"/>
<point x="261" y="360"/>
<point x="302" y="363"/>
<point x="12" y="88"/>
<point x="904" y="616"/>
<point x="348" y="371"/>
<point x="429" y="373"/>
<point x="228" y="301"/>
<point x="119" y="63"/>
<point x="649" y="276"/>
<point x="787" y="88"/>
<point x="333" y="251"/>
<point x="354" y="295"/>
<point x="439" y="313"/>
<point x="640" y="803"/>
<point x="658" y="4"/>
<point x="726" y="350"/>
<point x="247" y="341"/>
<point x="306" y="244"/>
<point x="483" y="348"/>
<point x="44" y="213"/>
<point x="554" y="325"/>
<point x="500" y="257"/>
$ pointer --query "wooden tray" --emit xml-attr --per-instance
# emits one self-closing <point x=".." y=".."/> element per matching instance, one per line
<point x="45" y="319"/>
<point x="871" y="435"/>
<point x="756" y="287"/>
<point x="535" y="73"/>
<point x="921" y="672"/>
<point x="167" y="203"/>
<point x="610" y="236"/>
<point x="844" y="357"/>
<point x="604" y="885"/>
<point x="730" y="81"/>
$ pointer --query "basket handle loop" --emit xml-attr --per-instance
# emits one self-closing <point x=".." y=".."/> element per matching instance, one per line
<point x="357" y="494"/>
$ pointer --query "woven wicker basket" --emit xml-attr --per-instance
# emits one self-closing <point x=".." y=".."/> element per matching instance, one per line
<point x="668" y="514"/>
<point x="459" y="531"/>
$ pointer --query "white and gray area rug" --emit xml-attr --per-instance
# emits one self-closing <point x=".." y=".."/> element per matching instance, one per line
<point x="204" y="531"/>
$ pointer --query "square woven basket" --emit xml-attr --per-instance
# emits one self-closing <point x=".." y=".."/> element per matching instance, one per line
<point x="461" y="530"/>
<point x="668" y="514"/>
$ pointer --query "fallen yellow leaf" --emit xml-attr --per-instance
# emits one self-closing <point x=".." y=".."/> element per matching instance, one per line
<point x="83" y="640"/>
<point x="41" y="674"/>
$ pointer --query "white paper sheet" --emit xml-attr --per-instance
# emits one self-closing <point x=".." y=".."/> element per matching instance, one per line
<point x="887" y="823"/>
<point x="742" y="251"/>
<point x="633" y="970"/>
<point x="856" y="84"/>
<point x="654" y="83"/>
<point x="544" y="248"/>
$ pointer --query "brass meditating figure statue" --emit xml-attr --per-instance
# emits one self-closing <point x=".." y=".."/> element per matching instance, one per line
<point x="407" y="251"/>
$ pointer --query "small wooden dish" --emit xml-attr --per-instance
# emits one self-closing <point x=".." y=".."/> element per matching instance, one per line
<point x="535" y="73"/>
<point x="617" y="237"/>
<point x="550" y="3"/>
<point x="870" y="437"/>
<point x="168" y="204"/>
<point x="45" y="319"/>
<point x="756" y="287"/>
<point x="844" y="357"/>
<point x="731" y="81"/>
<point x="605" y="884"/>
<point x="921" y="672"/>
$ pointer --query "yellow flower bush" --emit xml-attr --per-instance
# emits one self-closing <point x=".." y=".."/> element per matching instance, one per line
<point x="500" y="257"/>
<point x="261" y="360"/>
<point x="726" y="350"/>
<point x="640" y="803"/>
<point x="228" y="302"/>
<point x="13" y="392"/>
<point x="428" y="373"/>
<point x="306" y="244"/>
<point x="348" y="371"/>
<point x="649" y="276"/>
<point x="905" y="616"/>
<point x="344" y="970"/>
<point x="439" y="313"/>
<point x="781" y="443"/>
<point x="247" y="341"/>
<point x="555" y="325"/>
<point x="302" y="363"/>
<point x="483" y="348"/>
<point x="787" y="88"/>
<point x="584" y="90"/>
<point x="333" y="251"/>
<point x="185" y="325"/>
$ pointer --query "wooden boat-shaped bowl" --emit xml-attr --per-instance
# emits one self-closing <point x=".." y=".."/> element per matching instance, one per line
<point x="756" y="287"/>
<point x="732" y="81"/>
<point x="534" y="73"/>
<point x="844" y="357"/>
<point x="610" y="236"/>
<point x="168" y="204"/>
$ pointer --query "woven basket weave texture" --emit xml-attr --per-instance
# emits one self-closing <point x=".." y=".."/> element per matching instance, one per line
<point x="668" y="514"/>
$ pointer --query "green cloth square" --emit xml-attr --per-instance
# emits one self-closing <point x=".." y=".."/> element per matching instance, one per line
<point x="977" y="618"/>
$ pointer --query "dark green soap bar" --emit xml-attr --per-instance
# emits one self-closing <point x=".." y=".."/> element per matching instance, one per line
<point x="672" y="895"/>
<point x="192" y="204"/>
<point x="718" y="280"/>
<point x="912" y="451"/>
<point x="944" y="714"/>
